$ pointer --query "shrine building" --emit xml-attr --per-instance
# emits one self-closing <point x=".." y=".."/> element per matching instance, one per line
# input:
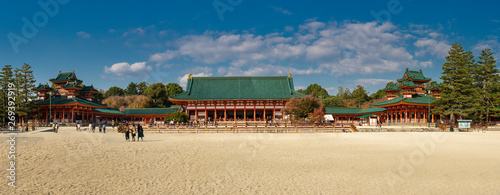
<point x="71" y="102"/>
<point x="236" y="98"/>
<point x="408" y="101"/>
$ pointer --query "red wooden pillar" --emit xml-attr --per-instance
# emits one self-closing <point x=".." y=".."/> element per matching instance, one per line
<point x="215" y="110"/>
<point x="254" y="110"/>
<point x="225" y="110"/>
<point x="196" y="111"/>
<point x="274" y="111"/>
<point x="206" y="114"/>
<point x="234" y="110"/>
<point x="245" y="111"/>
<point x="265" y="119"/>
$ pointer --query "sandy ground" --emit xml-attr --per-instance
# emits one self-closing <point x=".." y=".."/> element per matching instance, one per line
<point x="73" y="162"/>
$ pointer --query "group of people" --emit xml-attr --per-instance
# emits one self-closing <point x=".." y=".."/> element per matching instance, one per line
<point x="92" y="127"/>
<point x="133" y="130"/>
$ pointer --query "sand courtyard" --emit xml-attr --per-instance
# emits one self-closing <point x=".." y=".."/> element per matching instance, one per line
<point x="72" y="162"/>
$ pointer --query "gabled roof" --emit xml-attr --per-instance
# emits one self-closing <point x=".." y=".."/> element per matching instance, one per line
<point x="416" y="99"/>
<point x="239" y="88"/>
<point x="72" y="84"/>
<point x="61" y="99"/>
<point x="144" y="111"/>
<point x="391" y="87"/>
<point x="402" y="84"/>
<point x="434" y="86"/>
<point x="89" y="88"/>
<point x="43" y="87"/>
<point x="108" y="111"/>
<point x="65" y="76"/>
<point x="343" y="110"/>
<point x="415" y="75"/>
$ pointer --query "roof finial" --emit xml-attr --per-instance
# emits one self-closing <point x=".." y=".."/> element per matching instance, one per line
<point x="190" y="76"/>
<point x="289" y="75"/>
<point x="59" y="71"/>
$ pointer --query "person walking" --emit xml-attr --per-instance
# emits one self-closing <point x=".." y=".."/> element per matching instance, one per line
<point x="127" y="132"/>
<point x="100" y="128"/>
<point x="90" y="127"/>
<point x="104" y="128"/>
<point x="113" y="124"/>
<point x="140" y="132"/>
<point x="57" y="127"/>
<point x="133" y="131"/>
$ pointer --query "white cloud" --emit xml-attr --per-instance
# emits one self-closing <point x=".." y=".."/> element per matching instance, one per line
<point x="265" y="70"/>
<point x="135" y="70"/>
<point x="82" y="34"/>
<point x="339" y="48"/>
<point x="289" y="28"/>
<point x="183" y="79"/>
<point x="432" y="46"/>
<point x="282" y="11"/>
<point x="163" y="57"/>
<point x="493" y="43"/>
<point x="374" y="82"/>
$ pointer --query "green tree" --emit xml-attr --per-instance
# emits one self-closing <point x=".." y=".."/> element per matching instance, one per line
<point x="307" y="106"/>
<point x="141" y="87"/>
<point x="114" y="91"/>
<point x="158" y="95"/>
<point x="98" y="97"/>
<point x="344" y="93"/>
<point x="301" y="91"/>
<point x="317" y="90"/>
<point x="458" y="92"/>
<point x="487" y="80"/>
<point x="378" y="95"/>
<point x="333" y="101"/>
<point x="26" y="87"/>
<point x="6" y="77"/>
<point x="177" y="116"/>
<point x="173" y="89"/>
<point x="131" y="89"/>
<point x="360" y="95"/>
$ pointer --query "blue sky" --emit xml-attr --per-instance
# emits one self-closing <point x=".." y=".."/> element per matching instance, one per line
<point x="330" y="43"/>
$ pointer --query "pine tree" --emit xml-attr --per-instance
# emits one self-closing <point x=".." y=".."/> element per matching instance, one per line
<point x="487" y="79"/>
<point x="458" y="92"/>
<point x="6" y="77"/>
<point x="28" y="90"/>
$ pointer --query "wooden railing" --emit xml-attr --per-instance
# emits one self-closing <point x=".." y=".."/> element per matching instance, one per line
<point x="251" y="128"/>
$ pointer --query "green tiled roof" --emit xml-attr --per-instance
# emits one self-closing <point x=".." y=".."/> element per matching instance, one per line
<point x="108" y="110"/>
<point x="343" y="110"/>
<point x="71" y="84"/>
<point x="391" y="87"/>
<point x="238" y="88"/>
<point x="142" y="111"/>
<point x="416" y="99"/>
<point x="415" y="75"/>
<point x="88" y="88"/>
<point x="406" y="84"/>
<point x="138" y="111"/>
<point x="64" y="76"/>
<point x="61" y="99"/>
<point x="434" y="85"/>
<point x="43" y="86"/>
